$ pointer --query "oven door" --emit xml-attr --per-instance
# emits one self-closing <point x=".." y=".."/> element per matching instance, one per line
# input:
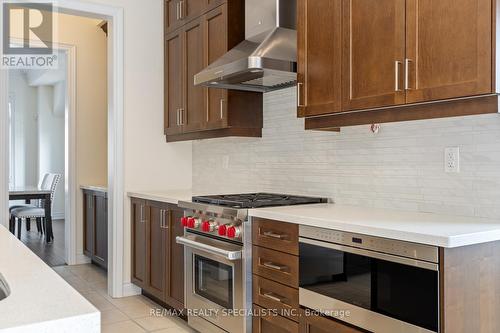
<point x="372" y="290"/>
<point x="213" y="282"/>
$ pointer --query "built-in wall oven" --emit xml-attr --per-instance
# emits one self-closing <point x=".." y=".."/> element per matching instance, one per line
<point x="214" y="284"/>
<point x="380" y="285"/>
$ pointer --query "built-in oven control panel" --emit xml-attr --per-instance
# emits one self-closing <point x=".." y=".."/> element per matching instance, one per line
<point x="384" y="245"/>
<point x="213" y="224"/>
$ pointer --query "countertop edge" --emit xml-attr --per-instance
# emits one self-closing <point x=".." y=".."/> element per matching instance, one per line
<point x="427" y="239"/>
<point x="172" y="197"/>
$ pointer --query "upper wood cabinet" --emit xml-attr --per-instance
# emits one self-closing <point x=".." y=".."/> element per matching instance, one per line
<point x="319" y="56"/>
<point x="375" y="55"/>
<point x="373" y="34"/>
<point x="179" y="12"/>
<point x="173" y="78"/>
<point x="449" y="49"/>
<point x="195" y="112"/>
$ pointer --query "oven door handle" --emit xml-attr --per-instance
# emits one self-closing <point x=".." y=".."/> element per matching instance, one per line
<point x="229" y="255"/>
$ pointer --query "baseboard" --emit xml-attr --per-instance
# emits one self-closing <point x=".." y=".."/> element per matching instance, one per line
<point x="82" y="259"/>
<point x="130" y="289"/>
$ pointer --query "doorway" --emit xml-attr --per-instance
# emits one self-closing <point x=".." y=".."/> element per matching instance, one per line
<point x="114" y="17"/>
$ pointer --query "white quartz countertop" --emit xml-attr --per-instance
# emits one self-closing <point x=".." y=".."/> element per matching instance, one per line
<point x="425" y="228"/>
<point x="168" y="196"/>
<point x="40" y="300"/>
<point x="98" y="188"/>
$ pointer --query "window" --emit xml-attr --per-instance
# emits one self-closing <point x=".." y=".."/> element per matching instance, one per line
<point x="12" y="126"/>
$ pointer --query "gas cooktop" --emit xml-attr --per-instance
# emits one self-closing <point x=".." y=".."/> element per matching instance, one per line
<point x="256" y="200"/>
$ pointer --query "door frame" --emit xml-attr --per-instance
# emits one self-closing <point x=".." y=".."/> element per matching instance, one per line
<point x="116" y="198"/>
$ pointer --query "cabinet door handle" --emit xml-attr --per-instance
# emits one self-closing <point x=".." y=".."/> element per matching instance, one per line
<point x="274" y="266"/>
<point x="273" y="297"/>
<point x="177" y="6"/>
<point x="222" y="108"/>
<point x="182" y="120"/>
<point x="396" y="75"/>
<point x="163" y="219"/>
<point x="142" y="214"/>
<point x="299" y="94"/>
<point x="181" y="9"/>
<point x="273" y="235"/>
<point x="407" y="74"/>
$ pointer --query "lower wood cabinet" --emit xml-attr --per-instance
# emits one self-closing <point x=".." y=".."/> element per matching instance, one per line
<point x="157" y="260"/>
<point x="95" y="226"/>
<point x="267" y="322"/>
<point x="319" y="324"/>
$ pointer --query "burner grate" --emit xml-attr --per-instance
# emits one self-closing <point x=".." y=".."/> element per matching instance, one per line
<point x="256" y="200"/>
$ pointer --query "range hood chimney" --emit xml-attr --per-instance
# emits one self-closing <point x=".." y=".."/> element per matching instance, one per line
<point x="267" y="59"/>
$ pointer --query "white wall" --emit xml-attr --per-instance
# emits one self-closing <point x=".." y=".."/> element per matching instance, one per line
<point x="150" y="163"/>
<point x="51" y="144"/>
<point x="26" y="136"/>
<point x="402" y="167"/>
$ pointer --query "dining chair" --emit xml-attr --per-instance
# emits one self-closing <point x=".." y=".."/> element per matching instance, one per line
<point x="33" y="203"/>
<point x="34" y="212"/>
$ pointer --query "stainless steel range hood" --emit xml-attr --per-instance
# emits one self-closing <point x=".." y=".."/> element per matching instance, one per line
<point x="267" y="59"/>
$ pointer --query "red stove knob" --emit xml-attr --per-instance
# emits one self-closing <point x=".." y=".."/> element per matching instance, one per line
<point x="233" y="232"/>
<point x="184" y="221"/>
<point x="222" y="230"/>
<point x="205" y="226"/>
<point x="193" y="222"/>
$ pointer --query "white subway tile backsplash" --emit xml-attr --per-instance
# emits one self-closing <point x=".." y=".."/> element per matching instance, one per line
<point x="401" y="167"/>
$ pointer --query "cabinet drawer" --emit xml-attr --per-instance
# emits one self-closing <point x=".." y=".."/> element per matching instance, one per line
<point x="320" y="324"/>
<point x="273" y="295"/>
<point x="276" y="235"/>
<point x="270" y="323"/>
<point x="276" y="266"/>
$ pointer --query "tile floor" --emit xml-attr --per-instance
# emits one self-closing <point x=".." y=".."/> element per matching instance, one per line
<point x="123" y="315"/>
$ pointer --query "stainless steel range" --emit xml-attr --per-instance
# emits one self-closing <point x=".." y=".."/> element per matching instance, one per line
<point x="218" y="258"/>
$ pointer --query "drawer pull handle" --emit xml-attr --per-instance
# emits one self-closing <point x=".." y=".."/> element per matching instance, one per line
<point x="273" y="297"/>
<point x="274" y="266"/>
<point x="273" y="235"/>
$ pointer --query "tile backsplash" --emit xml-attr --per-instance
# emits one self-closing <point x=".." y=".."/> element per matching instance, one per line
<point x="401" y="167"/>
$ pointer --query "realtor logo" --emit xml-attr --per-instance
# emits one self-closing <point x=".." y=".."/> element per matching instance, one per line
<point x="28" y="31"/>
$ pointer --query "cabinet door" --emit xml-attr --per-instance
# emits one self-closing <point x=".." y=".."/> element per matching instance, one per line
<point x="174" y="79"/>
<point x="318" y="324"/>
<point x="175" y="260"/>
<point x="193" y="113"/>
<point x="190" y="9"/>
<point x="156" y="249"/>
<point x="269" y="323"/>
<point x="373" y="53"/>
<point x="171" y="16"/>
<point x="216" y="45"/>
<point x="319" y="54"/>
<point x="101" y="230"/>
<point x="139" y="239"/>
<point x="88" y="220"/>
<point x="449" y="49"/>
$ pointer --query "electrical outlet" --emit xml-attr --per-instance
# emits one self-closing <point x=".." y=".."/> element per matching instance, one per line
<point x="225" y="162"/>
<point x="452" y="160"/>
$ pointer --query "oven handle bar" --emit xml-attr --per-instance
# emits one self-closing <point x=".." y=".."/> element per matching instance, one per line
<point x="229" y="255"/>
<point x="372" y="254"/>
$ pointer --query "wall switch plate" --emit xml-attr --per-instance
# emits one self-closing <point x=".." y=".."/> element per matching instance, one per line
<point x="225" y="162"/>
<point x="452" y="160"/>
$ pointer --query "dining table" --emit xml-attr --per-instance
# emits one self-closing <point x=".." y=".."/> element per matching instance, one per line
<point x="28" y="193"/>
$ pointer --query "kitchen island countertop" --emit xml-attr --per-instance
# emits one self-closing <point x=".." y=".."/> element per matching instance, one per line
<point x="424" y="228"/>
<point x="40" y="300"/>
